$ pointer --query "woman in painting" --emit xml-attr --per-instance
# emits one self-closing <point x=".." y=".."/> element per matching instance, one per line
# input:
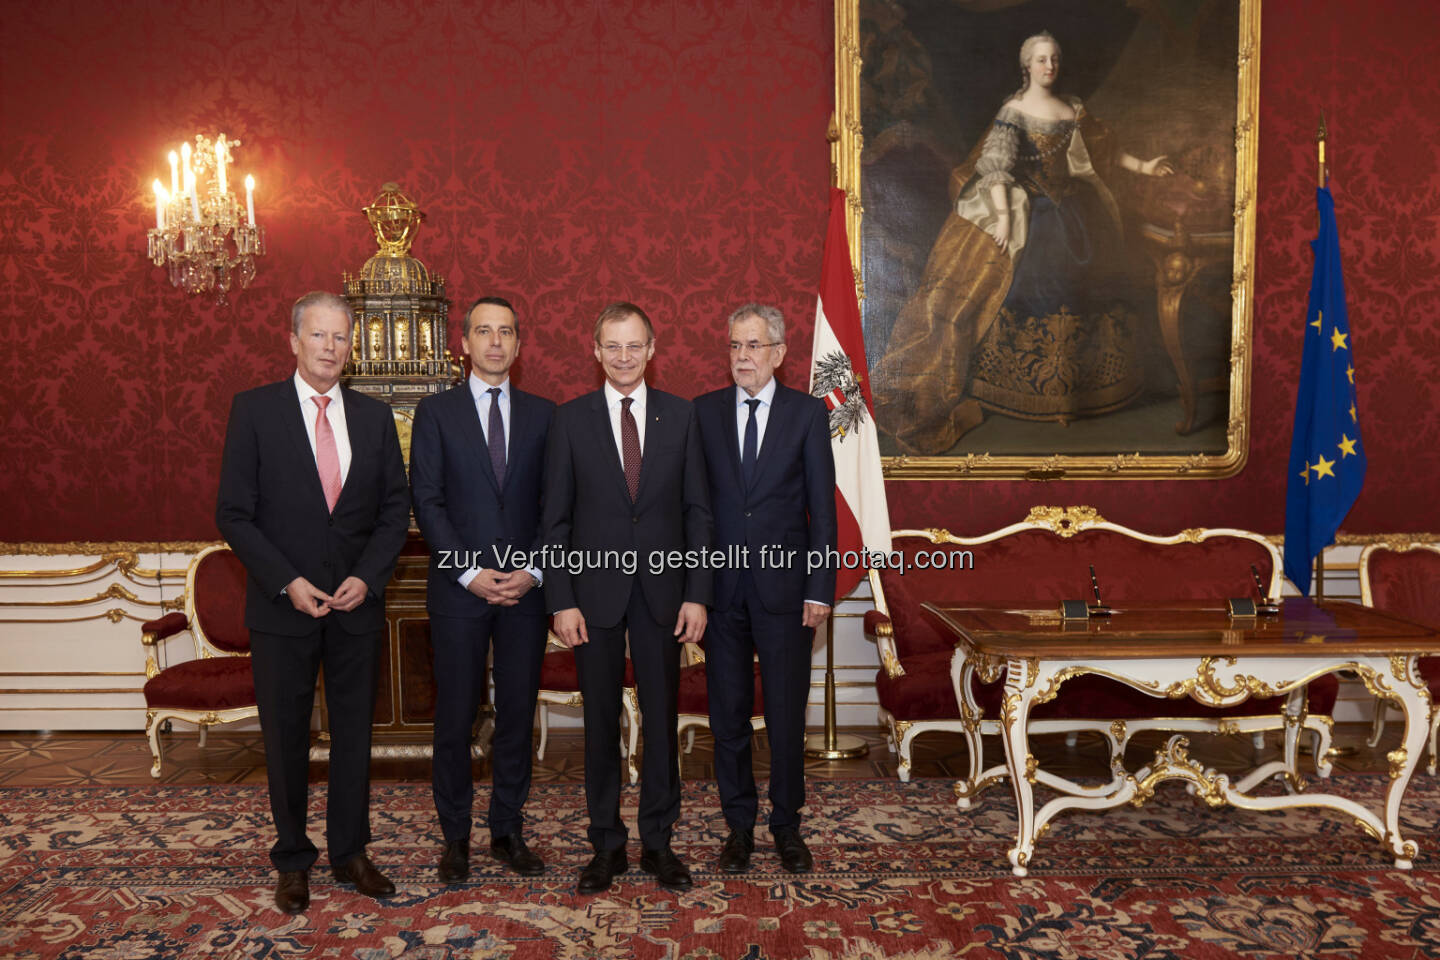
<point x="1016" y="311"/>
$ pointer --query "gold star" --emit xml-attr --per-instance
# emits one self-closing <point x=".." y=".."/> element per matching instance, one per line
<point x="1337" y="341"/>
<point x="1352" y="413"/>
<point x="1319" y="316"/>
<point x="1350" y="372"/>
<point x="1322" y="468"/>
<point x="1347" y="447"/>
<point x="1305" y="474"/>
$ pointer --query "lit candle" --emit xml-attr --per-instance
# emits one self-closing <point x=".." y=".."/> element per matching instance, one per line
<point x="194" y="201"/>
<point x="174" y="174"/>
<point x="159" y="205"/>
<point x="185" y="163"/>
<point x="220" y="163"/>
<point x="250" y="199"/>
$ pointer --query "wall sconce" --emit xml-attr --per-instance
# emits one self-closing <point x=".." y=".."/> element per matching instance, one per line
<point x="201" y="229"/>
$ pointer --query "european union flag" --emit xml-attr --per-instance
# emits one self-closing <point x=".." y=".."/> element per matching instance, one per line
<point x="1327" y="462"/>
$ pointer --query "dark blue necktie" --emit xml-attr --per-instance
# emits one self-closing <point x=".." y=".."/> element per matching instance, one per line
<point x="749" y="448"/>
<point x="496" y="437"/>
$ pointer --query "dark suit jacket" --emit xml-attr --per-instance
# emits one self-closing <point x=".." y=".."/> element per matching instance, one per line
<point x="587" y="507"/>
<point x="790" y="505"/>
<point x="461" y="510"/>
<point x="271" y="507"/>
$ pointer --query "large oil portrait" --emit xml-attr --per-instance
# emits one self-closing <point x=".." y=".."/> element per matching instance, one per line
<point x="1052" y="220"/>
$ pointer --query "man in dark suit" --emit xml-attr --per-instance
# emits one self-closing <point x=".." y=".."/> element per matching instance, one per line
<point x="477" y="457"/>
<point x="772" y="491"/>
<point x="625" y="478"/>
<point x="313" y="500"/>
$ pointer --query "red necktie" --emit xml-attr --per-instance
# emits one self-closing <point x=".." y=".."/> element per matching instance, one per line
<point x="630" y="445"/>
<point x="327" y="455"/>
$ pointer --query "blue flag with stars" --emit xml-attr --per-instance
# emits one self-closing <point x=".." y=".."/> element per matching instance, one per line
<point x="1327" y="461"/>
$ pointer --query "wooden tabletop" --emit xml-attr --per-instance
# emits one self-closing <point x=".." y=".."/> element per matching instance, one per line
<point x="1201" y="630"/>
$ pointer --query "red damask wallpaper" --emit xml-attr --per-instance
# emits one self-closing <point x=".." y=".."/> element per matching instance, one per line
<point x="572" y="154"/>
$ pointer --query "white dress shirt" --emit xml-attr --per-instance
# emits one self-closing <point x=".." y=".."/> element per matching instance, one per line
<point x="766" y="396"/>
<point x="480" y="391"/>
<point x="637" y="410"/>
<point x="334" y="413"/>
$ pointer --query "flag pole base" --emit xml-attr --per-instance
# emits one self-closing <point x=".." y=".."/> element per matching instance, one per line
<point x="845" y="746"/>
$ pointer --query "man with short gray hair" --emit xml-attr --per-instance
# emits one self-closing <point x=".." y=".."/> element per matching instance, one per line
<point x="772" y="492"/>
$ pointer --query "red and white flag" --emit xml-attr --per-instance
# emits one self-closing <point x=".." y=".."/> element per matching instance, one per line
<point x="840" y="376"/>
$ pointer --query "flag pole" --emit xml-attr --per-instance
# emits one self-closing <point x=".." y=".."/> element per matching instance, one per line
<point x="1321" y="133"/>
<point x="832" y="745"/>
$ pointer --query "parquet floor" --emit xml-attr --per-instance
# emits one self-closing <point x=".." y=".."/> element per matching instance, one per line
<point x="50" y="758"/>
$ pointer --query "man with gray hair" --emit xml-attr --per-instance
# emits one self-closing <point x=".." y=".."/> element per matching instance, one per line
<point x="313" y="500"/>
<point x="772" y="491"/>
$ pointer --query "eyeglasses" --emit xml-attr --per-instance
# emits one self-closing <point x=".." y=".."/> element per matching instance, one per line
<point x="750" y="346"/>
<point x="621" y="349"/>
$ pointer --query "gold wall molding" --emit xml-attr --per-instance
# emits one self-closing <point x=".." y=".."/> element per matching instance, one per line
<point x="80" y="548"/>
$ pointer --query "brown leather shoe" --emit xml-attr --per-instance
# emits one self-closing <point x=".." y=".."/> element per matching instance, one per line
<point x="735" y="855"/>
<point x="455" y="861"/>
<point x="367" y="880"/>
<point x="669" y="872"/>
<point x="292" y="891"/>
<point x="794" y="855"/>
<point x="602" y="870"/>
<point x="512" y="851"/>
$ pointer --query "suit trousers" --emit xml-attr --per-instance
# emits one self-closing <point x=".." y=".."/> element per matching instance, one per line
<point x="285" y="671"/>
<point x="600" y="663"/>
<point x="734" y="637"/>
<point x="461" y="645"/>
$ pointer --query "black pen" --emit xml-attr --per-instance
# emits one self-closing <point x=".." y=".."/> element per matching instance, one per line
<point x="1099" y="609"/>
<point x="1266" y="605"/>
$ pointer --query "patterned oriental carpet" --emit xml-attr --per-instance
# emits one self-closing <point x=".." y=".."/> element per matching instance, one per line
<point x="133" y="873"/>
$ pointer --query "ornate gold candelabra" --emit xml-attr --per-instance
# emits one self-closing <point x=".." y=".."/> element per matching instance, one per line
<point x="202" y="230"/>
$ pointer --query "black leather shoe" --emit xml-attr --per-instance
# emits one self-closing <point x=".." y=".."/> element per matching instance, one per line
<point x="735" y="855"/>
<point x="292" y="891"/>
<point x="512" y="852"/>
<point x="367" y="880"/>
<point x="602" y="869"/>
<point x="794" y="855"/>
<point x="455" y="861"/>
<point x="669" y="871"/>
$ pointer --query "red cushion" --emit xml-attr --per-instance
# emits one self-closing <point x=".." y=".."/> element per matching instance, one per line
<point x="1407" y="584"/>
<point x="915" y="634"/>
<point x="926" y="693"/>
<point x="216" y="683"/>
<point x="694" y="700"/>
<point x="220" y="601"/>
<point x="557" y="671"/>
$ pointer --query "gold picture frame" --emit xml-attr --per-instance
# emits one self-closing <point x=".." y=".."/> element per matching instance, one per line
<point x="912" y="78"/>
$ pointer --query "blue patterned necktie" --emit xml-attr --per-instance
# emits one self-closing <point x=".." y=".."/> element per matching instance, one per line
<point x="749" y="449"/>
<point x="496" y="437"/>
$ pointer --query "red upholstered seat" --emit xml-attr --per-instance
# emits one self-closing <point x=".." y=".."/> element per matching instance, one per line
<point x="1404" y="579"/>
<point x="696" y="702"/>
<point x="558" y="672"/>
<point x="216" y="686"/>
<point x="216" y="683"/>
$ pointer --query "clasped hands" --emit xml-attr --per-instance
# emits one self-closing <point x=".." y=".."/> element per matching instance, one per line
<point x="314" y="602"/>
<point x="501" y="589"/>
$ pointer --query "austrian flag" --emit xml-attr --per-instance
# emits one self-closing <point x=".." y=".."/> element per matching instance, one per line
<point x="840" y="376"/>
